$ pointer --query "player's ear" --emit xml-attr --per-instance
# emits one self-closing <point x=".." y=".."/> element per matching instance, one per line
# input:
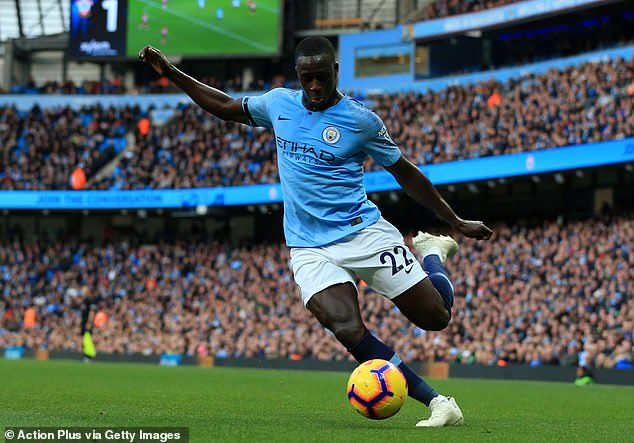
<point x="337" y="68"/>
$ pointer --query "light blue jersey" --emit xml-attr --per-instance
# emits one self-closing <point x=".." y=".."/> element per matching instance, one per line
<point x="320" y="161"/>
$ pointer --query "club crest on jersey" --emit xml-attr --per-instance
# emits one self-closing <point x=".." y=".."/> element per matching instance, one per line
<point x="384" y="134"/>
<point x="331" y="135"/>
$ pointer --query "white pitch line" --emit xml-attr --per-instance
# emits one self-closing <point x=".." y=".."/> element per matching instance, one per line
<point x="204" y="24"/>
<point x="273" y="9"/>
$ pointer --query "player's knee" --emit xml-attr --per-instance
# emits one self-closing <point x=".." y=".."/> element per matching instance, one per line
<point x="433" y="318"/>
<point x="439" y="320"/>
<point x="348" y="333"/>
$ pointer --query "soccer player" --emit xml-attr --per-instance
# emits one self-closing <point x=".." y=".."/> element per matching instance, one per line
<point x="335" y="233"/>
<point x="87" y="320"/>
<point x="145" y="21"/>
<point x="164" y="33"/>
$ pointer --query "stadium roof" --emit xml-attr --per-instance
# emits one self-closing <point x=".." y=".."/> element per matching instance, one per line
<point x="33" y="18"/>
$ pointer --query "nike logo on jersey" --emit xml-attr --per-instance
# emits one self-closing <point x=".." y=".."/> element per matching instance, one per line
<point x="279" y="117"/>
<point x="407" y="271"/>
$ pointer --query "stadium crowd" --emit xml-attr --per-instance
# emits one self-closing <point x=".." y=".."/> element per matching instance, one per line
<point x="446" y="8"/>
<point x="555" y="293"/>
<point x="42" y="148"/>
<point x="575" y="105"/>
<point x="116" y="86"/>
<point x="589" y="103"/>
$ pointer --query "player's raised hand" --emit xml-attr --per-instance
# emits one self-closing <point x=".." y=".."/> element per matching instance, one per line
<point x="154" y="57"/>
<point x="474" y="229"/>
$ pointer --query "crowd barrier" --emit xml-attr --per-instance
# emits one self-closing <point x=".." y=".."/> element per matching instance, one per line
<point x="535" y="162"/>
<point x="563" y="374"/>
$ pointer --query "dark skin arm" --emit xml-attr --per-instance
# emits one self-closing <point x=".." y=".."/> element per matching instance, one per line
<point x="418" y="186"/>
<point x="210" y="99"/>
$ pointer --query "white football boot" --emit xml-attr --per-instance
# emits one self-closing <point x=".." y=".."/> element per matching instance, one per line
<point x="444" y="412"/>
<point x="442" y="245"/>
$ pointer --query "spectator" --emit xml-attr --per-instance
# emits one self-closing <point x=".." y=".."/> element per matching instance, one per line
<point x="529" y="113"/>
<point x="445" y="8"/>
<point x="40" y="149"/>
<point x="581" y="104"/>
<point x="543" y="294"/>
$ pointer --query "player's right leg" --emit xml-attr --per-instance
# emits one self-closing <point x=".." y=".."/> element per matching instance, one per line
<point x="337" y="309"/>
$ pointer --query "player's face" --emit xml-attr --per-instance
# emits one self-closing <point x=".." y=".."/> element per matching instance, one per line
<point x="318" y="77"/>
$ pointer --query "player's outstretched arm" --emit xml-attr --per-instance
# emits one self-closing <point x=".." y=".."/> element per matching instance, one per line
<point x="210" y="99"/>
<point x="418" y="186"/>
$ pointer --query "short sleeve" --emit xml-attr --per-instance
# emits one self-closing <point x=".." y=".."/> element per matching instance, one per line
<point x="257" y="109"/>
<point x="379" y="144"/>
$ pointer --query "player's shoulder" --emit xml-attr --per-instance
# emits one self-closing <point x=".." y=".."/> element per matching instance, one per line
<point x="356" y="106"/>
<point x="282" y="93"/>
<point x="361" y="113"/>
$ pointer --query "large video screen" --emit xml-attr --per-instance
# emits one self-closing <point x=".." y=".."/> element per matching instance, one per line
<point x="98" y="28"/>
<point x="204" y="28"/>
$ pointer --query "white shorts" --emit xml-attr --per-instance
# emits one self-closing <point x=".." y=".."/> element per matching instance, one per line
<point x="376" y="254"/>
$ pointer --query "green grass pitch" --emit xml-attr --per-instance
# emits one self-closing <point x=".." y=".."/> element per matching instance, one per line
<point x="259" y="405"/>
<point x="198" y="31"/>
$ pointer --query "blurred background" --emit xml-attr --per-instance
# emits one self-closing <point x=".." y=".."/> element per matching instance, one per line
<point x="129" y="212"/>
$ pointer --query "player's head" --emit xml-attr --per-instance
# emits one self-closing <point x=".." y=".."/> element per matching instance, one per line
<point x="317" y="71"/>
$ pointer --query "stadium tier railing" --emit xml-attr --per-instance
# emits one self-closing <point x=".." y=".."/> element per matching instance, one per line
<point x="528" y="163"/>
